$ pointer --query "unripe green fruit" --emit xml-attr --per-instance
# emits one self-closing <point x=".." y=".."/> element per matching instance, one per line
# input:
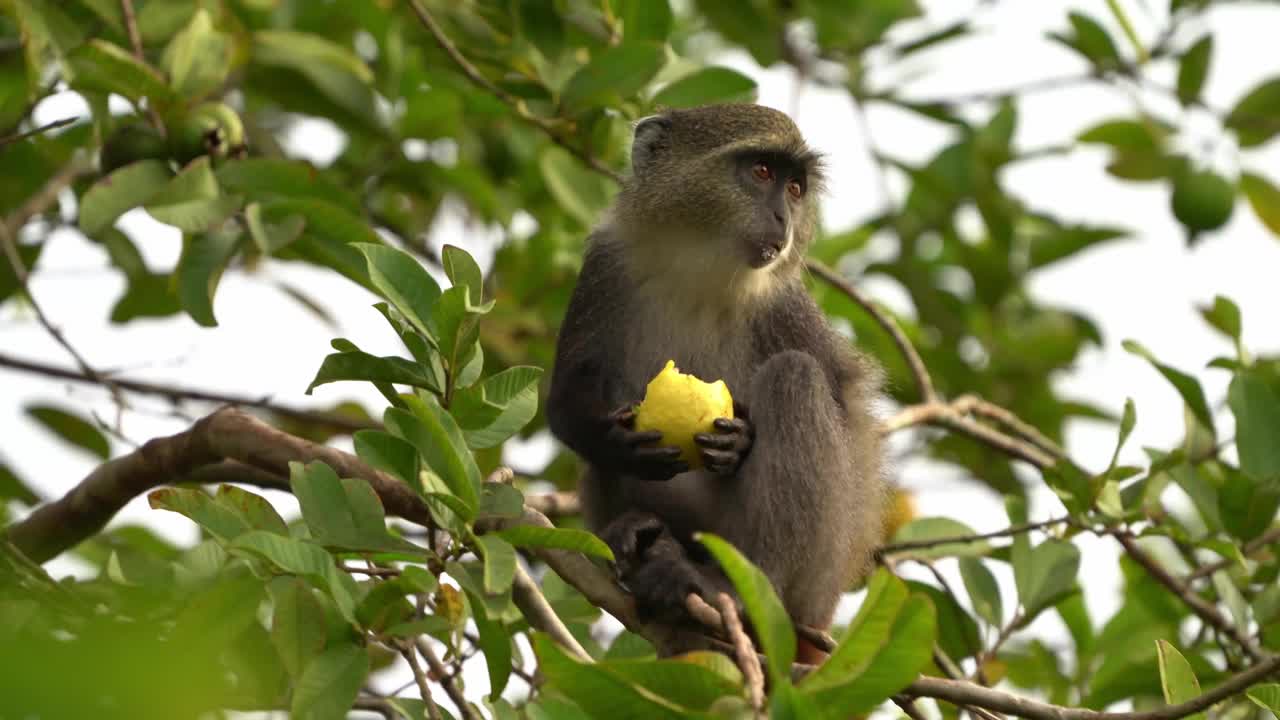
<point x="1202" y="200"/>
<point x="130" y="143"/>
<point x="211" y="129"/>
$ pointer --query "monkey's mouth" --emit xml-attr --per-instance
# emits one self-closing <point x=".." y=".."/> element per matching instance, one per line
<point x="767" y="251"/>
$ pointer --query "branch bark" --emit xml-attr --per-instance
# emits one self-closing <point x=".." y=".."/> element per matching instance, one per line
<point x="260" y="455"/>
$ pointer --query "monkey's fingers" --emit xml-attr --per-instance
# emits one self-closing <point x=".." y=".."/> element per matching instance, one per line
<point x="654" y="454"/>
<point x="625" y="416"/>
<point x="732" y="425"/>
<point x="716" y="441"/>
<point x="721" y="462"/>
<point x="635" y="439"/>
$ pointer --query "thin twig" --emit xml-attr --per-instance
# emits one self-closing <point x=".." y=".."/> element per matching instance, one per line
<point x="1006" y="632"/>
<point x="923" y="382"/>
<point x="46" y="196"/>
<point x="1202" y="608"/>
<point x="175" y="393"/>
<point x="963" y="539"/>
<point x="945" y="415"/>
<point x="21" y="275"/>
<point x="515" y="104"/>
<point x="744" y="651"/>
<point x="18" y="136"/>
<point x="135" y="41"/>
<point x="1251" y="547"/>
<point x="420" y="678"/>
<point x="966" y="693"/>
<point x="972" y="404"/>
<point x="446" y="681"/>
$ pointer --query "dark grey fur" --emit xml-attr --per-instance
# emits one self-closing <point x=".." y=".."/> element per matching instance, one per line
<point x="667" y="276"/>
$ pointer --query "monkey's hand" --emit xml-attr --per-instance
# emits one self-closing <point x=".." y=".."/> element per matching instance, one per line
<point x="638" y="452"/>
<point x="654" y="567"/>
<point x="724" y="450"/>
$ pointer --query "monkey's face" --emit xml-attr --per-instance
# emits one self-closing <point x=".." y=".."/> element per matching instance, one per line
<point x="775" y="186"/>
<point x="721" y="189"/>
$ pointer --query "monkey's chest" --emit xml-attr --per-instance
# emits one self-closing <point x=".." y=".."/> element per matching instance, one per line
<point x="710" y="347"/>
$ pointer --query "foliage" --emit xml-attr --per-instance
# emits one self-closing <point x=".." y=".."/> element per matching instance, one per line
<point x="189" y="107"/>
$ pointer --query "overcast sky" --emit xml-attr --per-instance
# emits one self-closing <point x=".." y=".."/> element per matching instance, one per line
<point x="1145" y="288"/>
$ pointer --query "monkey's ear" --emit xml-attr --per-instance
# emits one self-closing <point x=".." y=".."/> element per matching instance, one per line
<point x="649" y="141"/>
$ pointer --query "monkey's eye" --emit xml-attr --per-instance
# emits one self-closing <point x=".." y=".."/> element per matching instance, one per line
<point x="762" y="171"/>
<point x="795" y="189"/>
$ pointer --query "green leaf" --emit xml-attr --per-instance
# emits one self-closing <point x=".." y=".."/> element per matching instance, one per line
<point x="298" y="557"/>
<point x="267" y="178"/>
<point x="958" y="634"/>
<point x="1044" y="573"/>
<point x="1255" y="403"/>
<point x="498" y="500"/>
<point x="532" y="536"/>
<point x="191" y="201"/>
<point x="495" y="643"/>
<point x="1091" y="40"/>
<point x="104" y="67"/>
<point x="343" y="513"/>
<point x="148" y="295"/>
<point x="1193" y="69"/>
<point x="1256" y="118"/>
<point x="336" y="71"/>
<point x="218" y="518"/>
<point x="768" y="617"/>
<point x="1177" y="680"/>
<point x="13" y="488"/>
<point x="297" y="623"/>
<point x="198" y="58"/>
<point x="403" y="282"/>
<point x="646" y="20"/>
<point x="706" y="86"/>
<point x="29" y="254"/>
<point x="388" y="453"/>
<point x="72" y="429"/>
<point x="614" y="74"/>
<point x="580" y="192"/>
<point x="694" y="680"/>
<point x="1264" y="198"/>
<point x="499" y="563"/>
<point x="887" y="645"/>
<point x="204" y="258"/>
<point x="939" y="528"/>
<point x="596" y="690"/>
<point x="455" y="324"/>
<point x="1187" y="386"/>
<point x="463" y="270"/>
<point x="1224" y="315"/>
<point x="984" y="592"/>
<point x="330" y="683"/>
<point x="438" y="440"/>
<point x="253" y="509"/>
<point x="1266" y="696"/>
<point x="516" y="391"/>
<point x="1058" y="242"/>
<point x="357" y="365"/>
<point x="122" y="190"/>
<point x="1138" y="136"/>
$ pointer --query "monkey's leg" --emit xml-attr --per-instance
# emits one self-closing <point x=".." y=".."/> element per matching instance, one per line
<point x="800" y="507"/>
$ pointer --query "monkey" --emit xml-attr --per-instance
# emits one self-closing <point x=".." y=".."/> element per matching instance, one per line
<point x="700" y="260"/>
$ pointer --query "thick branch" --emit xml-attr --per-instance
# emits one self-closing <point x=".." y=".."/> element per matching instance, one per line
<point x="175" y="394"/>
<point x="195" y="455"/>
<point x="540" y="615"/>
<point x="966" y="693"/>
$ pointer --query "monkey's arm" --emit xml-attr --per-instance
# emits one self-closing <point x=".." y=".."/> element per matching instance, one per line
<point x="580" y="410"/>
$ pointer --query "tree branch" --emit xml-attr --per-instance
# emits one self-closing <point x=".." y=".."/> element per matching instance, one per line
<point x="446" y="681"/>
<point x="536" y="609"/>
<point x="424" y="691"/>
<point x="196" y="455"/>
<point x="177" y="394"/>
<point x="966" y="693"/>
<point x="744" y="651"/>
<point x="515" y="104"/>
<point x="961" y="539"/>
<point x="923" y="382"/>
<point x="1202" y="608"/>
<point x="19" y="136"/>
<point x="1251" y="547"/>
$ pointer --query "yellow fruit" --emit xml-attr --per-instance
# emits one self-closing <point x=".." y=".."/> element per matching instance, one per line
<point x="681" y="406"/>
<point x="901" y="511"/>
